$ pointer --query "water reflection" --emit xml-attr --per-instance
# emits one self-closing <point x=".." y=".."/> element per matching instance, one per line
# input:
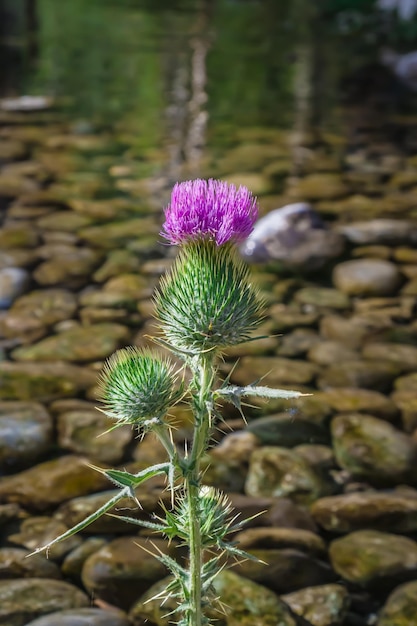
<point x="176" y="74"/>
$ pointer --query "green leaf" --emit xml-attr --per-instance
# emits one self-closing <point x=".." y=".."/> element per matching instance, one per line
<point x="122" y="478"/>
<point x="233" y="393"/>
<point x="86" y="522"/>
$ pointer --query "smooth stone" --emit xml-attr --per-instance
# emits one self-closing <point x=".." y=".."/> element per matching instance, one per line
<point x="89" y="433"/>
<point x="375" y="374"/>
<point x="373" y="450"/>
<point x="279" y="472"/>
<point x="64" y="221"/>
<point x="89" y="343"/>
<point x="367" y="277"/>
<point x="43" y="381"/>
<point x="273" y="371"/>
<point x="25" y="433"/>
<point x="18" y="236"/>
<point x="12" y="186"/>
<point x="296" y="343"/>
<point x="74" y="561"/>
<point x="406" y="401"/>
<point x="83" y="617"/>
<point x="353" y="331"/>
<point x="407" y="383"/>
<point x="284" y="570"/>
<point x="279" y="538"/>
<point x="29" y="598"/>
<point x="330" y="353"/>
<point x="250" y="156"/>
<point x="117" y="262"/>
<point x="289" y="317"/>
<point x="12" y="150"/>
<point x="320" y="457"/>
<point x="294" y="236"/>
<point x="17" y="257"/>
<point x="36" y="532"/>
<point x="390" y="511"/>
<point x="116" y="234"/>
<point x="72" y="266"/>
<point x="121" y="571"/>
<point x="31" y="314"/>
<point x="286" y="430"/>
<point x="322" y="298"/>
<point x="380" y="231"/>
<point x="276" y="512"/>
<point x="249" y="604"/>
<point x="351" y="400"/>
<point x="403" y="356"/>
<point x="400" y="608"/>
<point x="98" y="315"/>
<point x="321" y="605"/>
<point x="319" y="186"/>
<point x="13" y="282"/>
<point x="14" y="564"/>
<point x="369" y="557"/>
<point x="61" y="479"/>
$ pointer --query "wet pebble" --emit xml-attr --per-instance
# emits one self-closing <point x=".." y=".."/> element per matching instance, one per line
<point x="13" y="282"/>
<point x="83" y="617"/>
<point x="23" y="600"/>
<point x="26" y="431"/>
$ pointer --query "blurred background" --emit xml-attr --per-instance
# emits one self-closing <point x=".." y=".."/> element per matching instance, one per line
<point x="180" y="75"/>
<point x="312" y="104"/>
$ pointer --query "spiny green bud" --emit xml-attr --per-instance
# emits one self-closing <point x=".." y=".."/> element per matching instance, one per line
<point x="137" y="387"/>
<point x="207" y="300"/>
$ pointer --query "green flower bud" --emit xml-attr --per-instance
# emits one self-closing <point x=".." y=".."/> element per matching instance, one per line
<point x="136" y="387"/>
<point x="207" y="300"/>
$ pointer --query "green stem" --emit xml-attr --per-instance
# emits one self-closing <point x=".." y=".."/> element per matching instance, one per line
<point x="204" y="375"/>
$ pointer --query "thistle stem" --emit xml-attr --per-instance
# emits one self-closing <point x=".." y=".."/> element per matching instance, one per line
<point x="204" y="375"/>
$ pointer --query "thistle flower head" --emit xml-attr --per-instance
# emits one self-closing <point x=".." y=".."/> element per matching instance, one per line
<point x="209" y="209"/>
<point x="206" y="301"/>
<point x="137" y="387"/>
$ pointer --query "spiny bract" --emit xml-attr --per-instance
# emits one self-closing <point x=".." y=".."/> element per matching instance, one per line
<point x="137" y="387"/>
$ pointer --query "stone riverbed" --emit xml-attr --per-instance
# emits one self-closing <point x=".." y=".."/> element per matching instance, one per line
<point x="335" y="472"/>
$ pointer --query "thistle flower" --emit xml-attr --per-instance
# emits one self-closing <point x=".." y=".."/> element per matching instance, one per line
<point x="207" y="300"/>
<point x="137" y="387"/>
<point x="209" y="209"/>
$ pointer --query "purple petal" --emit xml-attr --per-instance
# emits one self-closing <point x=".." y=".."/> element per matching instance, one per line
<point x="209" y="209"/>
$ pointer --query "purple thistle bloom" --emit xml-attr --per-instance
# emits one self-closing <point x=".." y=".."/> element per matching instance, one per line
<point x="209" y="209"/>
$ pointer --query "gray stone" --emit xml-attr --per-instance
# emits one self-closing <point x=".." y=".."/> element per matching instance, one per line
<point x="392" y="511"/>
<point x="13" y="282"/>
<point x="380" y="231"/>
<point x="121" y="571"/>
<point x="321" y="605"/>
<point x="371" y="449"/>
<point x="400" y="609"/>
<point x="87" y="432"/>
<point x="287" y="430"/>
<point x="61" y="479"/>
<point x="367" y="556"/>
<point x="277" y="472"/>
<point x="295" y="236"/>
<point x="89" y="343"/>
<point x="25" y="433"/>
<point x="369" y="374"/>
<point x="15" y="564"/>
<point x="25" y="599"/>
<point x="83" y="617"/>
<point x="367" y="277"/>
